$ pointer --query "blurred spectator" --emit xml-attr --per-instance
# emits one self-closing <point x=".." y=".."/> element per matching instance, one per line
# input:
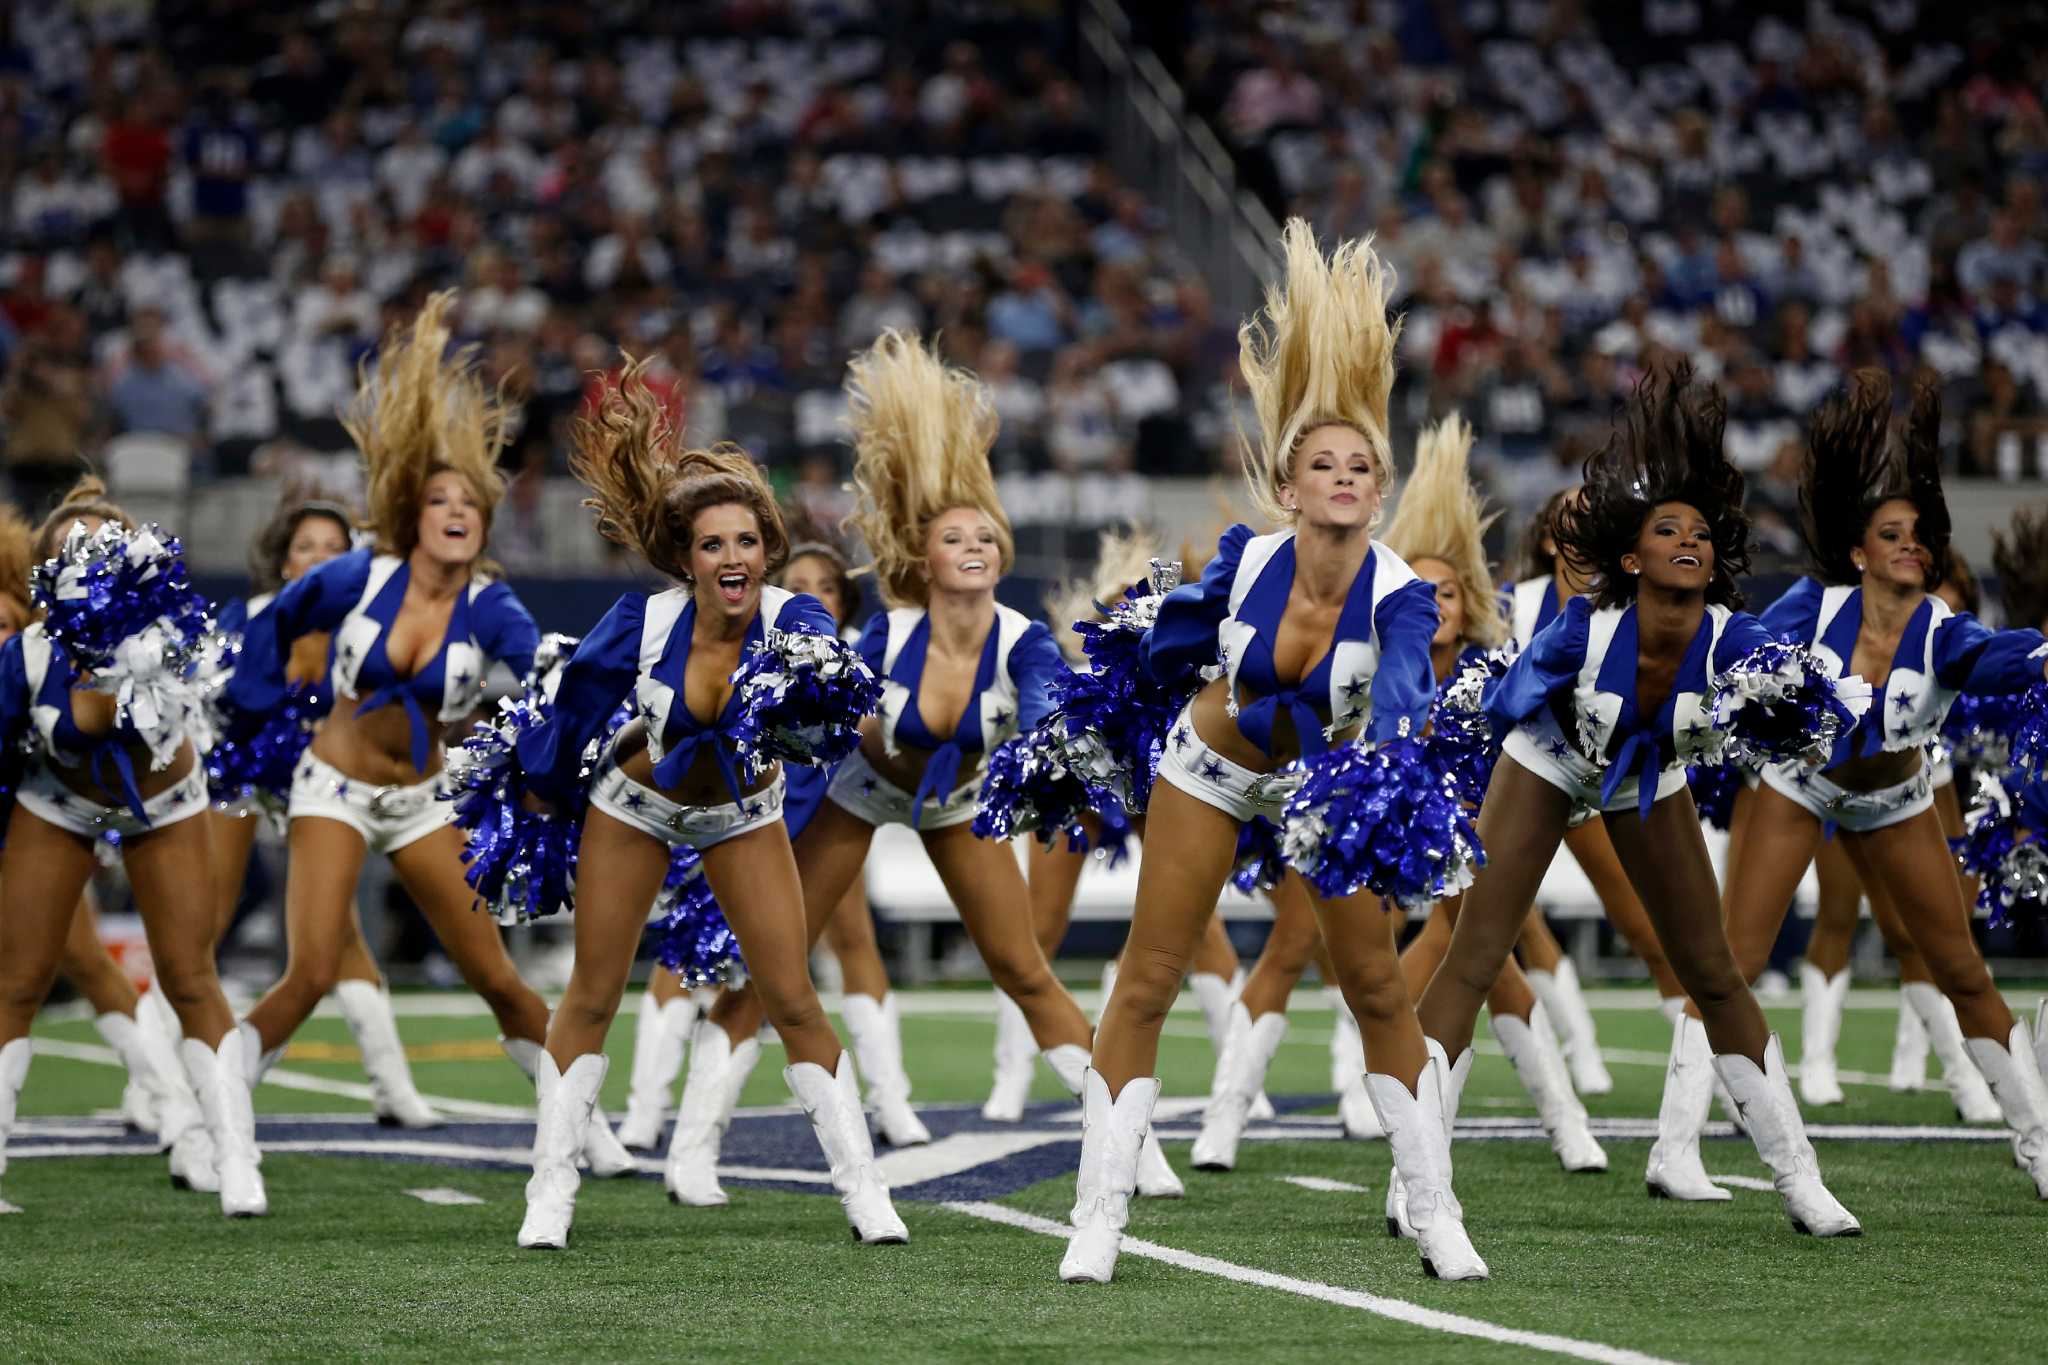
<point x="337" y="307"/>
<point x="46" y="402"/>
<point x="136" y="155"/>
<point x="220" y="153"/>
<point x="2002" y="254"/>
<point x="152" y="393"/>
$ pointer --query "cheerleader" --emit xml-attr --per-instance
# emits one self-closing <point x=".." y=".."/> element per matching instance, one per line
<point x="156" y="1099"/>
<point x="1877" y="527"/>
<point x="415" y="625"/>
<point x="2020" y="558"/>
<point x="123" y="773"/>
<point x="1601" y="714"/>
<point x="708" y="520"/>
<point x="960" y="674"/>
<point x="1318" y="634"/>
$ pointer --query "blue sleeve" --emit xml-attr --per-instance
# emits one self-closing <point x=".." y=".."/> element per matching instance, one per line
<point x="1034" y="662"/>
<point x="1971" y="657"/>
<point x="318" y="600"/>
<point x="594" y="681"/>
<point x="1795" y="616"/>
<point x="505" y="630"/>
<point x="1404" y="683"/>
<point x="232" y="616"/>
<point x="1743" y="636"/>
<point x="1550" y="663"/>
<point x="806" y="613"/>
<point x="874" y="642"/>
<point x="15" y="701"/>
<point x="1182" y="641"/>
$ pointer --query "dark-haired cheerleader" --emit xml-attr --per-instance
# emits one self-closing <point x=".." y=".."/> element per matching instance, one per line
<point x="1602" y="713"/>
<point x="1877" y="526"/>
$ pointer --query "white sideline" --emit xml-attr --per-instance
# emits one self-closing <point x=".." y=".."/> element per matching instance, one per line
<point x="1398" y="1310"/>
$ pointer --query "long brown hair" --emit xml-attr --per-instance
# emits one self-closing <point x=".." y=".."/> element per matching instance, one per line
<point x="87" y="498"/>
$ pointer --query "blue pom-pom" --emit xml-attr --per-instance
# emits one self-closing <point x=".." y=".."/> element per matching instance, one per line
<point x="131" y="624"/>
<point x="1112" y="721"/>
<point x="1980" y="729"/>
<point x="255" y="755"/>
<point x="1779" y="705"/>
<point x="1384" y="819"/>
<point x="1461" y="738"/>
<point x="802" y="697"/>
<point x="1714" y="789"/>
<point x="2006" y="847"/>
<point x="691" y="936"/>
<point x="1259" y="865"/>
<point x="521" y="863"/>
<point x="1026" y="789"/>
<point x="2030" y="731"/>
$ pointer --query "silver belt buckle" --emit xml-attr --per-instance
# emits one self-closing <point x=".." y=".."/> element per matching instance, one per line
<point x="1273" y="789"/>
<point x="393" y="803"/>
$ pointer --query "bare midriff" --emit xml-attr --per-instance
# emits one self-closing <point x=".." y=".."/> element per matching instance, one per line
<point x="1217" y="728"/>
<point x="93" y="714"/>
<point x="703" y="783"/>
<point x="1871" y="660"/>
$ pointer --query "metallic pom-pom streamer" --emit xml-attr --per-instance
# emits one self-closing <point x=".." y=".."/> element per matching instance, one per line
<point x="802" y="697"/>
<point x="132" y="626"/>
<point x="1259" y="865"/>
<point x="1460" y="735"/>
<point x="550" y="657"/>
<point x="2006" y="847"/>
<point x="256" y="754"/>
<point x="691" y="936"/>
<point x="1778" y="705"/>
<point x="1025" y="789"/>
<point x="2030" y="732"/>
<point x="1714" y="789"/>
<point x="521" y="863"/>
<point x="1385" y="819"/>
<point x="1981" y="729"/>
<point x="1113" y="720"/>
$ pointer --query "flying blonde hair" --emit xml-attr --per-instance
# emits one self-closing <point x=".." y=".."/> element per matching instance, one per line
<point x="921" y="437"/>
<point x="1321" y="354"/>
<point x="647" y="490"/>
<point x="421" y="412"/>
<point x="1121" y="559"/>
<point x="1442" y="516"/>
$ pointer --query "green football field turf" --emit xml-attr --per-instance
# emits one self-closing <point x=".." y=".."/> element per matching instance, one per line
<point x="107" y="1262"/>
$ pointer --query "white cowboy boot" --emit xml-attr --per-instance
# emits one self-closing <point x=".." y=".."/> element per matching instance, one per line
<point x="2014" y="1075"/>
<point x="138" y="1098"/>
<point x="14" y="1059"/>
<point x="660" y="1034"/>
<point x="1573" y="1022"/>
<point x="1347" y="1072"/>
<point x="1215" y="996"/>
<point x="1112" y="1134"/>
<point x="1966" y="1086"/>
<point x="1772" y="1117"/>
<point x="1820" y="1028"/>
<point x="1532" y="1049"/>
<point x="1909" y="1049"/>
<point x="711" y="1089"/>
<point x="832" y="1099"/>
<point x="220" y="1079"/>
<point x="1248" y="1049"/>
<point x="1450" y="1092"/>
<point x="366" y="1007"/>
<point x="565" y="1105"/>
<point x="1675" y="1170"/>
<point x="1422" y="1154"/>
<point x="256" y="1063"/>
<point x="603" y="1154"/>
<point x="1016" y="1057"/>
<point x="1156" y="1180"/>
<point x="876" y="1028"/>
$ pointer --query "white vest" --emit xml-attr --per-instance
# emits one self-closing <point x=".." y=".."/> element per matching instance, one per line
<point x="998" y="707"/>
<point x="462" y="678"/>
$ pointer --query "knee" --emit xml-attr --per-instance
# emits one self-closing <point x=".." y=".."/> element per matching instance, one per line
<point x="187" y="985"/>
<point x="1379" y="997"/>
<point x="25" y="983"/>
<point x="1021" y="975"/>
<point x="793" y="1009"/>
<point x="587" y="1004"/>
<point x="1146" y="986"/>
<point x="507" y="995"/>
<point x="1960" y="973"/>
<point x="1713" y="985"/>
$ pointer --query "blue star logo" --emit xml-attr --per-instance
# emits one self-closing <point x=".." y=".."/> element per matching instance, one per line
<point x="1002" y="718"/>
<point x="1354" y="687"/>
<point x="752" y="808"/>
<point x="462" y="679"/>
<point x="341" y="789"/>
<point x="867" y="786"/>
<point x="1694" y="731"/>
<point x="1803" y="781"/>
<point x="1903" y="702"/>
<point x="1558" y="748"/>
<point x="348" y="652"/>
<point x="1180" y="739"/>
<point x="1211" y="769"/>
<point x="634" y="800"/>
<point x="60" y="799"/>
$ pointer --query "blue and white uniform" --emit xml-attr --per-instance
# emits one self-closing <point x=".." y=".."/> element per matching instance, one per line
<point x="1940" y="655"/>
<point x="356" y="597"/>
<point x="35" y="699"/>
<point x="642" y="647"/>
<point x="1012" y="694"/>
<point x="1567" y="706"/>
<point x="1376" y="676"/>
<point x="1531" y="605"/>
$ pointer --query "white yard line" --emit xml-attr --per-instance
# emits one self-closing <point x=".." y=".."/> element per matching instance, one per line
<point x="1323" y="1186"/>
<point x="1745" y="1182"/>
<point x="1397" y="1310"/>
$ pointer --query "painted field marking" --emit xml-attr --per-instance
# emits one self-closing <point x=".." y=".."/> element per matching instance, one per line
<point x="7" y="1208"/>
<point x="1745" y="1182"/>
<point x="1397" y="1310"/>
<point x="440" y="1194"/>
<point x="1322" y="1185"/>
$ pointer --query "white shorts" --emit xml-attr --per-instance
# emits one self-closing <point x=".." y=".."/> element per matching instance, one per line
<point x="647" y="810"/>
<point x="858" y="789"/>
<point x="1543" y="750"/>
<point x="1857" y="812"/>
<point x="388" y="818"/>
<point x="42" y="793"/>
<point x="1187" y="763"/>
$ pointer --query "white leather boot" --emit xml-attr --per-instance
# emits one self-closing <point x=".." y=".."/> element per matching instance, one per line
<point x="14" y="1059"/>
<point x="1347" y="1072"/>
<point x="711" y="1089"/>
<point x="566" y="1102"/>
<point x="603" y="1154"/>
<point x="1675" y="1170"/>
<point x="876" y="1028"/>
<point x="1820" y="1028"/>
<point x="1772" y="1117"/>
<point x="1909" y="1049"/>
<point x="1966" y="1086"/>
<point x="256" y="1063"/>
<point x="661" y="1032"/>
<point x="1450" y="1092"/>
<point x="1533" y="1050"/>
<point x="832" y="1099"/>
<point x="1248" y="1049"/>
<point x="1112" y="1134"/>
<point x="1016" y="1057"/>
<point x="219" y="1078"/>
<point x="1671" y="1006"/>
<point x="1216" y="996"/>
<point x="1422" y="1154"/>
<point x="366" y="1007"/>
<point x="138" y="1098"/>
<point x="1573" y="1023"/>
<point x="2014" y="1075"/>
<point x="1156" y="1180"/>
